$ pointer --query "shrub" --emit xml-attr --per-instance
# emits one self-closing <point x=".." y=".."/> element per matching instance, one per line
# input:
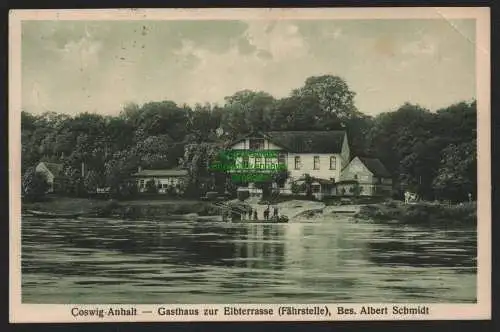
<point x="421" y="214"/>
<point x="35" y="185"/>
<point x="296" y="189"/>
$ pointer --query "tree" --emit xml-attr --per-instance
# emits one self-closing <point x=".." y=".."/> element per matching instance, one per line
<point x="92" y="181"/>
<point x="35" y="185"/>
<point x="247" y="111"/>
<point x="332" y="94"/>
<point x="154" y="152"/>
<point x="159" y="118"/>
<point x="197" y="160"/>
<point x="308" y="180"/>
<point x="71" y="179"/>
<point x="280" y="177"/>
<point x="457" y="175"/>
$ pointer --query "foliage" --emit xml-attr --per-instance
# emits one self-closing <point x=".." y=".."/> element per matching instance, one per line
<point x="308" y="180"/>
<point x="456" y="176"/>
<point x="356" y="189"/>
<point x="423" y="213"/>
<point x="422" y="149"/>
<point x="280" y="177"/>
<point x="34" y="185"/>
<point x="92" y="181"/>
<point x="411" y="141"/>
<point x="295" y="188"/>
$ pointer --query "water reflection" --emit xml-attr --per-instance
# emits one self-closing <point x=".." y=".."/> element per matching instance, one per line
<point x="417" y="248"/>
<point x="165" y="261"/>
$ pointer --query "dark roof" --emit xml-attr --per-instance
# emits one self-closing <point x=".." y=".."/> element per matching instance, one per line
<point x="161" y="173"/>
<point x="375" y="166"/>
<point x="55" y="169"/>
<point x="304" y="141"/>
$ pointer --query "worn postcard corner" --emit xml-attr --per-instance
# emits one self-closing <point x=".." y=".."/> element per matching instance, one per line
<point x="249" y="165"/>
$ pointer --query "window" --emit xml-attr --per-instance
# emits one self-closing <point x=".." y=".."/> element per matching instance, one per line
<point x="258" y="161"/>
<point x="355" y="176"/>
<point x="268" y="162"/>
<point x="256" y="144"/>
<point x="316" y="162"/>
<point x="141" y="184"/>
<point x="333" y="162"/>
<point x="281" y="184"/>
<point x="316" y="188"/>
<point x="297" y="162"/>
<point x="246" y="161"/>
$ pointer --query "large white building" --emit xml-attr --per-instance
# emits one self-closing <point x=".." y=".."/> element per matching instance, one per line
<point x="323" y="155"/>
<point x="320" y="154"/>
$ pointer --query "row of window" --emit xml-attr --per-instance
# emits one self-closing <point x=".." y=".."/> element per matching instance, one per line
<point x="316" y="162"/>
<point x="267" y="161"/>
<point x="297" y="160"/>
<point x="142" y="184"/>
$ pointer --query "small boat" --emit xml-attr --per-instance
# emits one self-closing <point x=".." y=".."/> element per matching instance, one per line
<point x="54" y="215"/>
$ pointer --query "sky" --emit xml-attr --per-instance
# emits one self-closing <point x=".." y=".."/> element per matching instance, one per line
<point x="99" y="66"/>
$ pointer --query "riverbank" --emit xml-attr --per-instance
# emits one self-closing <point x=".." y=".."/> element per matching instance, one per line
<point x="123" y="209"/>
<point x="421" y="213"/>
<point x="167" y="207"/>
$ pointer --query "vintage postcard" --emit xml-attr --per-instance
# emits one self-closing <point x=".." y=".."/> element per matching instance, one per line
<point x="249" y="164"/>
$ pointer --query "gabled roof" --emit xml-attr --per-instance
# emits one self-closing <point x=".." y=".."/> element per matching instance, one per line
<point x="161" y="173"/>
<point x="304" y="141"/>
<point x="55" y="169"/>
<point x="375" y="166"/>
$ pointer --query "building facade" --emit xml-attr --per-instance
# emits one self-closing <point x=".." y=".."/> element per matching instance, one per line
<point x="365" y="177"/>
<point x="52" y="172"/>
<point x="320" y="154"/>
<point x="164" y="180"/>
<point x="321" y="158"/>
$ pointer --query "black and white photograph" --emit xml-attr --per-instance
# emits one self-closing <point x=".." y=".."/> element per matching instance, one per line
<point x="262" y="159"/>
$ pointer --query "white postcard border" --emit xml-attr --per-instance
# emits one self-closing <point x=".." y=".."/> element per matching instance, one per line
<point x="33" y="313"/>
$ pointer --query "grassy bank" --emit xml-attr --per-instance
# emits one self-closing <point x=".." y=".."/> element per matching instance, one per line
<point x="123" y="209"/>
<point x="422" y="213"/>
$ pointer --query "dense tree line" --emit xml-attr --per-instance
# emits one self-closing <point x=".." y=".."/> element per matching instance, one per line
<point x="431" y="153"/>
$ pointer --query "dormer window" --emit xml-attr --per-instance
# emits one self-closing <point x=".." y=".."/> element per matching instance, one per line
<point x="256" y="144"/>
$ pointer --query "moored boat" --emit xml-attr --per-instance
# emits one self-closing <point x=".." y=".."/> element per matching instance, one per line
<point x="53" y="215"/>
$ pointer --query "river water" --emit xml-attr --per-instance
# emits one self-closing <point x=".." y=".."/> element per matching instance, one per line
<point x="319" y="260"/>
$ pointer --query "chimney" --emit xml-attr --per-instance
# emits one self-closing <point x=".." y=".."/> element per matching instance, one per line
<point x="139" y="169"/>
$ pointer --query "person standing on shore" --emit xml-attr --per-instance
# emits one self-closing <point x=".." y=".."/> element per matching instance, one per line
<point x="275" y="212"/>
